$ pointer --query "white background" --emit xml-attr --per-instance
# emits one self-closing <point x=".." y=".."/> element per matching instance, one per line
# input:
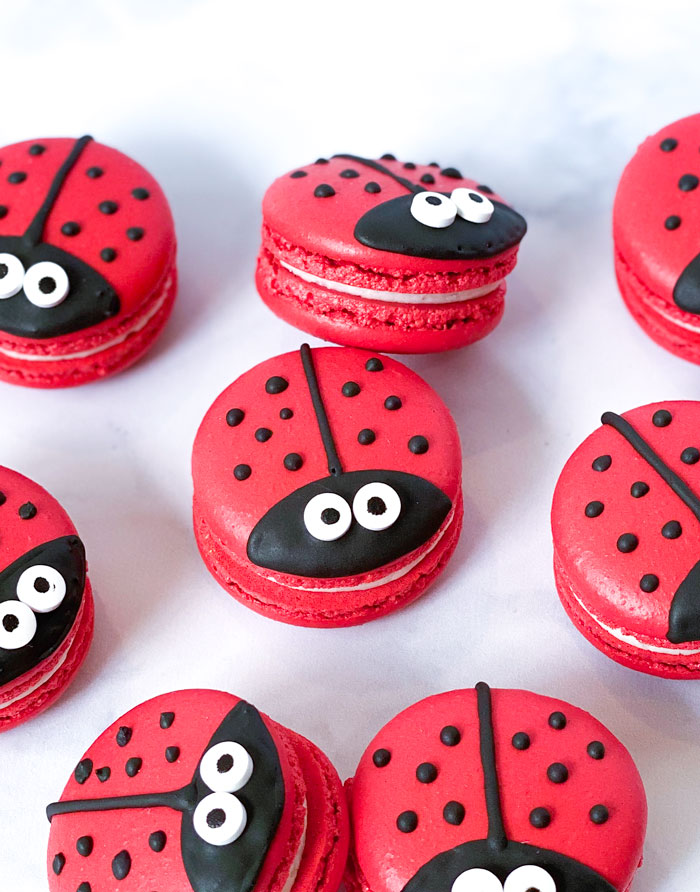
<point x="545" y="102"/>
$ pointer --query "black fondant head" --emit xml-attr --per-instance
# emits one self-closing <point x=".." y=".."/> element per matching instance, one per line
<point x="686" y="292"/>
<point x="65" y="556"/>
<point x="684" y="616"/>
<point x="282" y="540"/>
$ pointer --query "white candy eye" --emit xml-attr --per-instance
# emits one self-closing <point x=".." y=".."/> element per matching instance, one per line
<point x="376" y="506"/>
<point x="41" y="588"/>
<point x="219" y="819"/>
<point x="529" y="878"/>
<point x="477" y="880"/>
<point x="17" y="625"/>
<point x="11" y="276"/>
<point x="327" y="516"/>
<point x="473" y="205"/>
<point x="433" y="209"/>
<point x="46" y="284"/>
<point x="226" y="767"/>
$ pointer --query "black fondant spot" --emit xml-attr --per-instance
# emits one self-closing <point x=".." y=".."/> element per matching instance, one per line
<point x="58" y="863"/>
<point x="108" y="255"/>
<point x="242" y="472"/>
<point x="166" y="720"/>
<point x="140" y="194"/>
<point x="3" y="498"/>
<point x="450" y="736"/>
<point x="596" y="750"/>
<point x="649" y="583"/>
<point x="18" y="176"/>
<point x="103" y="774"/>
<point x="27" y="511"/>
<point x="372" y="187"/>
<point x="234" y="417"/>
<point x="321" y="161"/>
<point x="540" y="818"/>
<point x="594" y="509"/>
<point x="324" y="191"/>
<point x="293" y="461"/>
<point x="172" y="754"/>
<point x="454" y="813"/>
<point x="70" y="228"/>
<point x="124" y="735"/>
<point x="350" y="388"/>
<point x="558" y="773"/>
<point x="4" y="210"/>
<point x="428" y="179"/>
<point x="121" y="865"/>
<point x="37" y="149"/>
<point x="672" y="222"/>
<point x="627" y="543"/>
<point x="688" y="182"/>
<point x="662" y="418"/>
<point x="392" y="403"/>
<point x="349" y="174"/>
<point x="521" y="741"/>
<point x="85" y="887"/>
<point x="366" y="437"/>
<point x="381" y="758"/>
<point x="157" y="841"/>
<point x="557" y="720"/>
<point x="407" y="821"/>
<point x="387" y="156"/>
<point x="286" y="414"/>
<point x="276" y="384"/>
<point x="602" y="463"/>
<point x="263" y="434"/>
<point x="671" y="530"/>
<point x="451" y="172"/>
<point x="487" y="190"/>
<point x="690" y="455"/>
<point x="668" y="144"/>
<point x="426" y="773"/>
<point x="83" y="771"/>
<point x="409" y="165"/>
<point x="599" y="814"/>
<point x="374" y="365"/>
<point x="298" y="174"/>
<point x="639" y="489"/>
<point x="133" y="766"/>
<point x="418" y="445"/>
<point x="135" y="233"/>
<point x="108" y="207"/>
<point x="84" y="846"/>
<point x="94" y="172"/>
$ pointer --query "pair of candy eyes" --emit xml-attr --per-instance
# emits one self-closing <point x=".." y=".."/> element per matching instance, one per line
<point x="437" y="210"/>
<point x="40" y="589"/>
<point x="527" y="878"/>
<point x="376" y="507"/>
<point x="220" y="818"/>
<point x="45" y="284"/>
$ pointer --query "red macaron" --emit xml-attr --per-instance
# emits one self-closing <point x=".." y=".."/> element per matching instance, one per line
<point x="46" y="607"/>
<point x="327" y="487"/>
<point x="495" y="791"/>
<point x="87" y="262"/>
<point x="402" y="258"/>
<point x="656" y="228"/>
<point x="625" y="518"/>
<point x="197" y="790"/>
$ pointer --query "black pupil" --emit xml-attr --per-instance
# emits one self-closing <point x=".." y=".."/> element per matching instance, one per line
<point x="3" y="270"/>
<point x="216" y="818"/>
<point x="47" y="285"/>
<point x="41" y="585"/>
<point x="433" y="199"/>
<point x="330" y="516"/>
<point x="478" y="199"/>
<point x="10" y="622"/>
<point x="376" y="506"/>
<point x="225" y="764"/>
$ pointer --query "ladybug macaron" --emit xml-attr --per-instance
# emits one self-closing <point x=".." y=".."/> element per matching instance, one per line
<point x="46" y="607"/>
<point x="87" y="261"/>
<point x="626" y="523"/>
<point x="399" y="257"/>
<point x="327" y="487"/>
<point x="197" y="790"/>
<point x="495" y="791"/>
<point x="656" y="227"/>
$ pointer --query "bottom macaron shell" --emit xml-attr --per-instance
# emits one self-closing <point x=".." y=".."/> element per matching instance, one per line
<point x="68" y="661"/>
<point x="109" y="353"/>
<point x="376" y="325"/>
<point x="319" y="609"/>
<point x="682" y="666"/>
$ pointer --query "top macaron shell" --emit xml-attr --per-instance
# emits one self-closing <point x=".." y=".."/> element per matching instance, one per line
<point x="109" y="214"/>
<point x="426" y="764"/>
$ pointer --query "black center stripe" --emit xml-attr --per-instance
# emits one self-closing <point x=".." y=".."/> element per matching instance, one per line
<point x="497" y="838"/>
<point x="334" y="466"/>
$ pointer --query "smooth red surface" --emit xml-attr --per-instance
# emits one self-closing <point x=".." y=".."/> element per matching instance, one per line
<point x="386" y="859"/>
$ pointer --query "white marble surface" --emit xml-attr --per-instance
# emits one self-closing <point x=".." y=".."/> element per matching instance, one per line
<point x="546" y="101"/>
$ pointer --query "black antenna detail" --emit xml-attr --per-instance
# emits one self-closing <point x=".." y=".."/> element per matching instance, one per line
<point x="178" y="800"/>
<point x="380" y="168"/>
<point x="497" y="839"/>
<point x="324" y="427"/>
<point x="35" y="230"/>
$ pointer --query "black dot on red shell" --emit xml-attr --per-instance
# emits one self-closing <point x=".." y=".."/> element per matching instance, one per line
<point x="688" y="182"/>
<point x="671" y="530"/>
<point x="94" y="172"/>
<point x="124" y="735"/>
<point x="276" y="384"/>
<point x="596" y="750"/>
<point x="690" y="455"/>
<point x="662" y="418"/>
<point x="407" y="821"/>
<point x="409" y="165"/>
<point x="37" y="149"/>
<point x="387" y="156"/>
<point x="366" y="437"/>
<point x="321" y="161"/>
<point x="426" y="773"/>
<point x="450" y="736"/>
<point x="286" y="414"/>
<point x="108" y="207"/>
<point x="350" y="388"/>
<point x="602" y="463"/>
<point x="599" y="814"/>
<point x="263" y="434"/>
<point x="427" y="178"/>
<point x="374" y="365"/>
<point x="108" y="255"/>
<point x="627" y="543"/>
<point x="172" y="754"/>
<point x="594" y="509"/>
<point x="293" y="461"/>
<point x="672" y="222"/>
<point x="234" y="417"/>
<point x="486" y="189"/>
<point x="133" y="766"/>
<point x="166" y="720"/>
<point x="349" y="174"/>
<point x="103" y="774"/>
<point x="17" y="176"/>
<point x="84" y="887"/>
<point x="58" y="863"/>
<point x="392" y="403"/>
<point x="418" y="445"/>
<point x="298" y="174"/>
<point x="3" y="498"/>
<point x="668" y="144"/>
<point x="121" y="865"/>
<point x="540" y="818"/>
<point x="381" y="757"/>
<point x="27" y="511"/>
<point x="83" y="770"/>
<point x="324" y="190"/>
<point x="521" y="741"/>
<point x="649" y="582"/>
<point x="639" y="489"/>
<point x="557" y="720"/>
<point x="140" y="194"/>
<point x="3" y="211"/>
<point x="242" y="472"/>
<point x="70" y="228"/>
<point x="454" y="813"/>
<point x="157" y="841"/>
<point x="135" y="233"/>
<point x="451" y="172"/>
<point x="84" y="846"/>
<point x="558" y="773"/>
<point x="372" y="187"/>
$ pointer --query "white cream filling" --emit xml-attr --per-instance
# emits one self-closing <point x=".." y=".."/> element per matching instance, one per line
<point x="672" y="319"/>
<point x="390" y="577"/>
<point x="138" y="326"/>
<point x="397" y="297"/>
<point x="296" y="864"/>
<point x="35" y="687"/>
